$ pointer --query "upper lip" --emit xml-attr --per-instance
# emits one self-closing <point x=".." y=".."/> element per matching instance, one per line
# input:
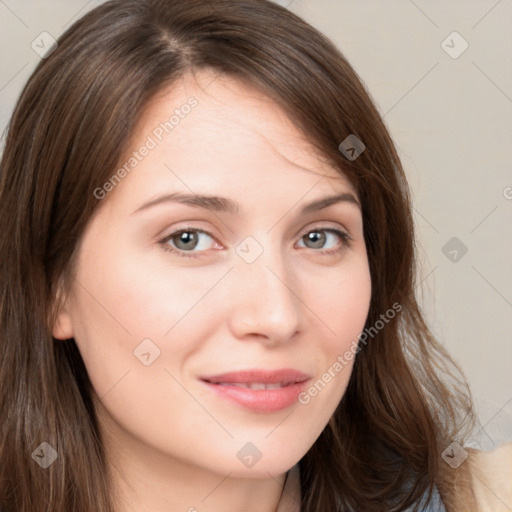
<point x="285" y="375"/>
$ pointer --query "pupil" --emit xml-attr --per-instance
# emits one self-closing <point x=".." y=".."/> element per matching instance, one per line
<point x="187" y="237"/>
<point x="319" y="238"/>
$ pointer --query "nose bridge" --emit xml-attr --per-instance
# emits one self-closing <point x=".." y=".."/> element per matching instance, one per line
<point x="266" y="301"/>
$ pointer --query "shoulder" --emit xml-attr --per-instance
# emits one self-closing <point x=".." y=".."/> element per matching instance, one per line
<point x="491" y="474"/>
<point x="482" y="483"/>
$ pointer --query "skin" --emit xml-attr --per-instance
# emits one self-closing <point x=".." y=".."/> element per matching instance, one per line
<point x="172" y="442"/>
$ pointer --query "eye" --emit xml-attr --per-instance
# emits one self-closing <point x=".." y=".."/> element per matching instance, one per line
<point x="186" y="240"/>
<point x="318" y="237"/>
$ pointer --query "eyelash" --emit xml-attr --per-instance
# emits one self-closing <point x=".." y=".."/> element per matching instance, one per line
<point x="345" y="237"/>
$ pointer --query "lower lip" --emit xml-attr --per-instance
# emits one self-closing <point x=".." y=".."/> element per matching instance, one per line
<point x="260" y="400"/>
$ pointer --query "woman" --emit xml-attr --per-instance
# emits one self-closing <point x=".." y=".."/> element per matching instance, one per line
<point x="249" y="370"/>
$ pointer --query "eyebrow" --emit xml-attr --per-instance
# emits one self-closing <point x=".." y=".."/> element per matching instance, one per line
<point x="223" y="204"/>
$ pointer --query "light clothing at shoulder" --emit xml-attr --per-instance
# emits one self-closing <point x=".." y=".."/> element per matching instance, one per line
<point x="491" y="474"/>
<point x="435" y="504"/>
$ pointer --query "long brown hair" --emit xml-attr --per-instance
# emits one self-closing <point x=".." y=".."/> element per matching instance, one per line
<point x="381" y="449"/>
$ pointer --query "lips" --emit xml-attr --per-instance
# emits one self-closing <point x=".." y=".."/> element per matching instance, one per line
<point x="282" y="377"/>
<point x="259" y="390"/>
<point x="254" y="385"/>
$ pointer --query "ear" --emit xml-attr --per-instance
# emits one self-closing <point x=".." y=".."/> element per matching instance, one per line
<point x="62" y="328"/>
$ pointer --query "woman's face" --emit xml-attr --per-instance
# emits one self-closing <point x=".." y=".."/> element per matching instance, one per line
<point x="267" y="286"/>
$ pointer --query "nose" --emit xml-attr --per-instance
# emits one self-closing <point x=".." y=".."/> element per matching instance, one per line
<point x="265" y="302"/>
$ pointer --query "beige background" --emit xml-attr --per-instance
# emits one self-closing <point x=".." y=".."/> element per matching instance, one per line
<point x="452" y="121"/>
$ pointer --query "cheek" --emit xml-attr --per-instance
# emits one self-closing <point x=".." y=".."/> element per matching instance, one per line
<point x="133" y="319"/>
<point x="135" y="294"/>
<point x="342" y="309"/>
<point x="342" y="304"/>
<point x="347" y="299"/>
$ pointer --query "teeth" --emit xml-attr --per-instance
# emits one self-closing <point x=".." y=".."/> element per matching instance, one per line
<point x="253" y="385"/>
<point x="276" y="385"/>
<point x="256" y="385"/>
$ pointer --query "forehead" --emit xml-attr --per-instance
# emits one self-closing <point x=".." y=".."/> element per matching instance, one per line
<point x="234" y="137"/>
